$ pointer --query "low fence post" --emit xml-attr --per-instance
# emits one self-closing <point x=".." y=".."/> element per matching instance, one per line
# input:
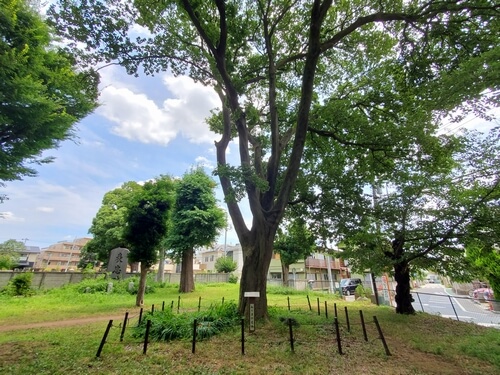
<point x="124" y="326"/>
<point x="290" y="330"/>
<point x="309" y="303"/>
<point x="98" y="354"/>
<point x="453" y="306"/>
<point x="420" y="301"/>
<point x="337" y="333"/>
<point x="193" y="348"/>
<point x="242" y="336"/>
<point x="347" y="319"/>
<point x="146" y="337"/>
<point x="387" y="352"/>
<point x="363" y="325"/>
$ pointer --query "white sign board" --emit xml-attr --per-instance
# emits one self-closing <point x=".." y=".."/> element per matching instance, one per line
<point x="252" y="294"/>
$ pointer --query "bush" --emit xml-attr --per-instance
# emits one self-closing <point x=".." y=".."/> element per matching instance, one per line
<point x="233" y="279"/>
<point x="20" y="285"/>
<point x="363" y="292"/>
<point x="166" y="325"/>
<point x="225" y="265"/>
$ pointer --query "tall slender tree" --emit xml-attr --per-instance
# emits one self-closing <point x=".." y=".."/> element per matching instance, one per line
<point x="147" y="224"/>
<point x="196" y="221"/>
<point x="270" y="61"/>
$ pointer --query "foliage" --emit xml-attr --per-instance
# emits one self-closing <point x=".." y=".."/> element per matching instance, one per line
<point x="362" y="291"/>
<point x="167" y="325"/>
<point x="20" y="285"/>
<point x="296" y="243"/>
<point x="232" y="279"/>
<point x="109" y="223"/>
<point x="196" y="219"/>
<point x="225" y="265"/>
<point x="10" y="251"/>
<point x="147" y="220"/>
<point x="43" y="93"/>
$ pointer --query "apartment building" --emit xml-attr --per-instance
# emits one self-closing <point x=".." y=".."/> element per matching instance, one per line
<point x="62" y="256"/>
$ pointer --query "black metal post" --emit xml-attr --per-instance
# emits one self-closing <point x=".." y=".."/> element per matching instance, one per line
<point x="178" y="304"/>
<point x="326" y="310"/>
<point x="124" y="326"/>
<point x="199" y="304"/>
<point x="290" y="330"/>
<point x="335" y="310"/>
<point x="140" y="316"/>
<point x="387" y="352"/>
<point x="347" y="319"/>
<point x="337" y="333"/>
<point x="242" y="336"/>
<point x="146" y="337"/>
<point x="452" y="305"/>
<point x="309" y="303"/>
<point x="104" y="338"/>
<point x="193" y="348"/>
<point x="363" y="325"/>
<point x="420" y="301"/>
<point x="288" y="300"/>
<point x="319" y="311"/>
<point x="152" y="309"/>
<point x="163" y="306"/>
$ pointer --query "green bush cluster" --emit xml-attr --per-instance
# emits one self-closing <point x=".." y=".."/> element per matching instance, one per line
<point x="20" y="285"/>
<point x="232" y="279"/>
<point x="167" y="325"/>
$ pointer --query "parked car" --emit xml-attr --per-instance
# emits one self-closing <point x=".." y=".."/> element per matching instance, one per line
<point x="348" y="286"/>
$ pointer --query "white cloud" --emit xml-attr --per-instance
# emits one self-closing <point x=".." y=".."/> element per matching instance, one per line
<point x="45" y="209"/>
<point x="204" y="162"/>
<point x="9" y="216"/>
<point x="137" y="117"/>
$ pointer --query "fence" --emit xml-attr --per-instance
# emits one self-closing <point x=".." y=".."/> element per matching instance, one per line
<point x="340" y="329"/>
<point x="466" y="309"/>
<point x="48" y="280"/>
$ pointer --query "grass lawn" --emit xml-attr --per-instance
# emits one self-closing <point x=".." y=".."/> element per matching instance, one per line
<point x="419" y="344"/>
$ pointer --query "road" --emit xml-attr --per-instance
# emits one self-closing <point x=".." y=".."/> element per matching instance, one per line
<point x="436" y="299"/>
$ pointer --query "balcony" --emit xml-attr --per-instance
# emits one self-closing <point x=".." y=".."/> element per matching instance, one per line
<point x="335" y="264"/>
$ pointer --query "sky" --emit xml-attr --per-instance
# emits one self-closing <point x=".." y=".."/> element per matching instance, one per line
<point x="144" y="127"/>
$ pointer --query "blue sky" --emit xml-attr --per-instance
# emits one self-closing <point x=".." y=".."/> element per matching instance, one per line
<point x="144" y="127"/>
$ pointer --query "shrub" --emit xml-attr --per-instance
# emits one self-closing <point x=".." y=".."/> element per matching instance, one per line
<point x="20" y="285"/>
<point x="166" y="325"/>
<point x="363" y="292"/>
<point x="233" y="279"/>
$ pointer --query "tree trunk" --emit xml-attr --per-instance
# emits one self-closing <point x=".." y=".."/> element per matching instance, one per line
<point x="285" y="271"/>
<point x="139" y="301"/>
<point x="187" y="276"/>
<point x="257" y="257"/>
<point x="160" y="276"/>
<point x="403" y="292"/>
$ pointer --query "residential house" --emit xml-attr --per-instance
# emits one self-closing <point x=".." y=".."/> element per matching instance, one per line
<point x="28" y="257"/>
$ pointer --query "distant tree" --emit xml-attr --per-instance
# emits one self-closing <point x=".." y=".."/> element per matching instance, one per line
<point x="424" y="219"/>
<point x="293" y="244"/>
<point x="225" y="265"/>
<point x="147" y="224"/>
<point x="109" y="223"/>
<point x="10" y="251"/>
<point x="42" y="93"/>
<point x="196" y="221"/>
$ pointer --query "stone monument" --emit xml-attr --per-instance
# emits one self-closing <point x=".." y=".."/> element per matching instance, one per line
<point x="118" y="260"/>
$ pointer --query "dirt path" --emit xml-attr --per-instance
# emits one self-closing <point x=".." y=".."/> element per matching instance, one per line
<point x="62" y="323"/>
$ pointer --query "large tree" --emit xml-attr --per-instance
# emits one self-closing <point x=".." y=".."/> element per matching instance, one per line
<point x="42" y="93"/>
<point x="196" y="221"/>
<point x="269" y="61"/>
<point x="423" y="218"/>
<point x="147" y="224"/>
<point x="109" y="223"/>
<point x="10" y="251"/>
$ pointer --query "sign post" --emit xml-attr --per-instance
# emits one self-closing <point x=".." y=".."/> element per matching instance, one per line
<point x="251" y="309"/>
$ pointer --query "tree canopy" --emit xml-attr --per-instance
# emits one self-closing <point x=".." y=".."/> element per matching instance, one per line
<point x="272" y="62"/>
<point x="43" y="93"/>
<point x="10" y="251"/>
<point x="196" y="221"/>
<point x="147" y="224"/>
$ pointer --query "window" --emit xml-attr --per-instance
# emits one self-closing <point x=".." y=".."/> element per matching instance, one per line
<point x="211" y="258"/>
<point x="206" y="259"/>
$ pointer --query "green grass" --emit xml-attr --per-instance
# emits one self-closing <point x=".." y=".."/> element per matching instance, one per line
<point x="420" y="344"/>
